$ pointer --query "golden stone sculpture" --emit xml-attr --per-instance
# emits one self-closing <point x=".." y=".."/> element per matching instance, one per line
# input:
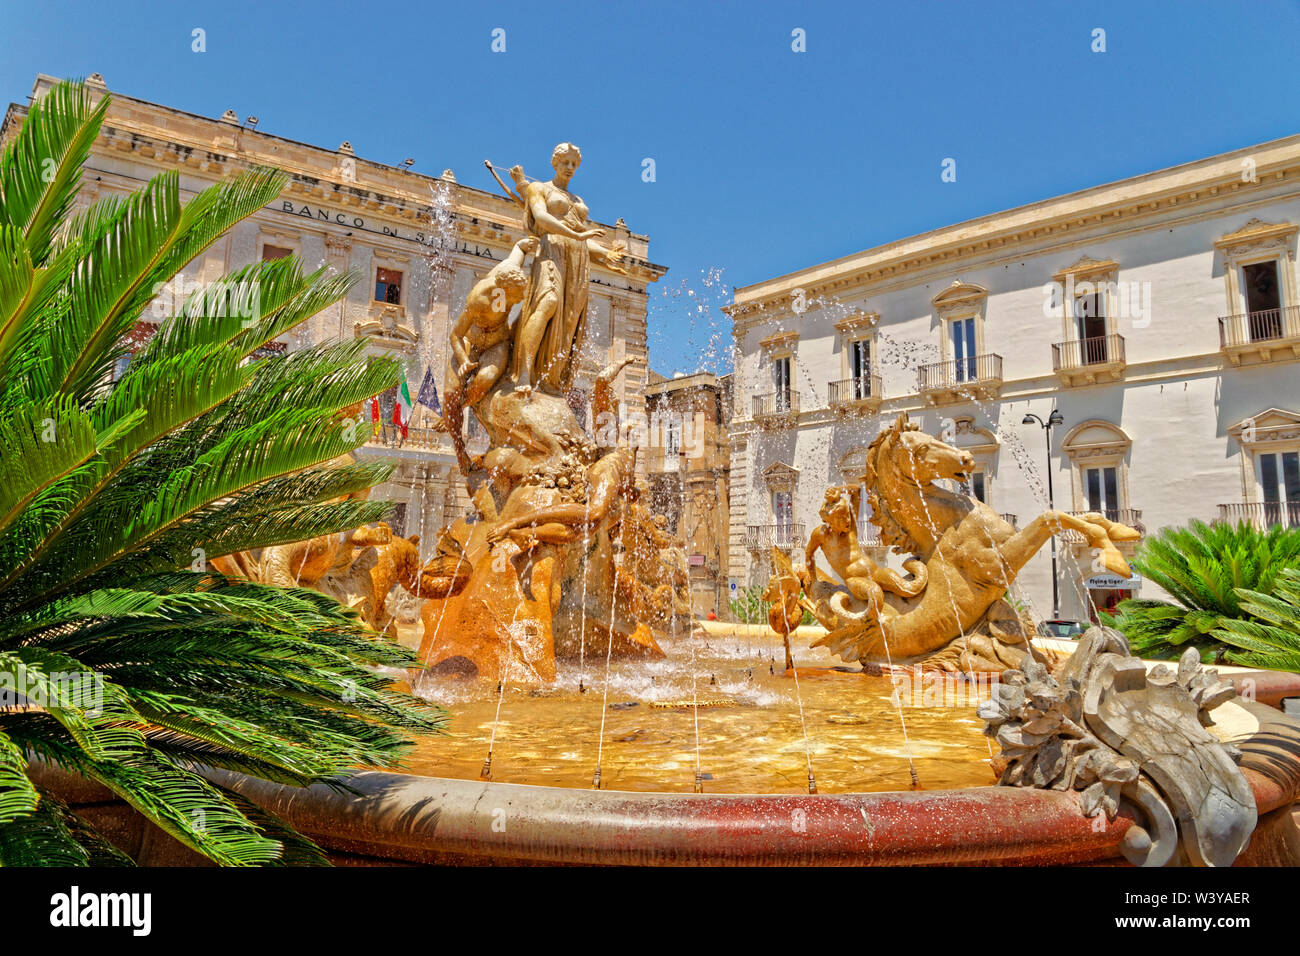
<point x="951" y="612"/>
<point x="358" y="568"/>
<point x="540" y="570"/>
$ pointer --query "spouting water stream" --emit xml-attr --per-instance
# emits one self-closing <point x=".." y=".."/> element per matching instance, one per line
<point x="609" y="652"/>
<point x="507" y="660"/>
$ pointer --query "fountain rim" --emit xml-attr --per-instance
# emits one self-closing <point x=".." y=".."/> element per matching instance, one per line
<point x="394" y="818"/>
<point x="415" y="819"/>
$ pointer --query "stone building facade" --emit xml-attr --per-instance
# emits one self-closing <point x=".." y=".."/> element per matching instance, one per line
<point x="687" y="469"/>
<point x="1158" y="315"/>
<point x="418" y="244"/>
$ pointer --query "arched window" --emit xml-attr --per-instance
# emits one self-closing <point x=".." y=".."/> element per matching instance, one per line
<point x="1098" y="452"/>
<point x="1270" y="469"/>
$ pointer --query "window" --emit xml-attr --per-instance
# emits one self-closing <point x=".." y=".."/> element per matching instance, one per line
<point x="397" y="521"/>
<point x="860" y="367"/>
<point x="960" y="309"/>
<point x="119" y="367"/>
<point x="673" y="436"/>
<point x="473" y="427"/>
<point x="1090" y="327"/>
<point x="1279" y="484"/>
<point x="576" y="398"/>
<point x="781" y="383"/>
<point x="1101" y="490"/>
<point x="866" y="530"/>
<point x="1259" y="272"/>
<point x="1269" y="445"/>
<point x="783" y="512"/>
<point x="962" y="335"/>
<point x="975" y="487"/>
<point x="1098" y="452"/>
<point x="388" y="286"/>
<point x="270" y="253"/>
<point x="1263" y="300"/>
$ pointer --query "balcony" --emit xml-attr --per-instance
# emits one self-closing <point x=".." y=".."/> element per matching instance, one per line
<point x="1262" y="514"/>
<point x="1129" y="516"/>
<point x="765" y="537"/>
<point x="1011" y="519"/>
<point x="390" y="436"/>
<point x="660" y="461"/>
<point x="979" y="376"/>
<point x="861" y="394"/>
<point x="1089" y="361"/>
<point x="776" y="409"/>
<point x="1272" y="335"/>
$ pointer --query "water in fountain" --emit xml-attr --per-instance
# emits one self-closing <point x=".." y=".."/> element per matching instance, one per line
<point x="638" y="749"/>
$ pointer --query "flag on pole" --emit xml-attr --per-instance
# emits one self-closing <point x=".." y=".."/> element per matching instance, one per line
<point x="428" y="396"/>
<point x="374" y="410"/>
<point x="402" y="408"/>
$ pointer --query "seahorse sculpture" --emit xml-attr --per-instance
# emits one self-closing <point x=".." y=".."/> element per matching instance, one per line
<point x="961" y="621"/>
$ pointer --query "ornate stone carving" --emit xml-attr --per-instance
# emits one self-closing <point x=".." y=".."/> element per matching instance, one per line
<point x="958" y="618"/>
<point x="1108" y="728"/>
<point x="387" y="324"/>
<point x="779" y="476"/>
<point x="553" y="502"/>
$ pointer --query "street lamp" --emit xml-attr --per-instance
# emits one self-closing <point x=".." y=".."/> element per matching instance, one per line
<point x="1053" y="420"/>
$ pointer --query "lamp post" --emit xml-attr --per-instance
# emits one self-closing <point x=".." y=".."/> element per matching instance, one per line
<point x="1053" y="420"/>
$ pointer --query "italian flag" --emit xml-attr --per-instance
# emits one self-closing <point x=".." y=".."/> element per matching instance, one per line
<point x="402" y="408"/>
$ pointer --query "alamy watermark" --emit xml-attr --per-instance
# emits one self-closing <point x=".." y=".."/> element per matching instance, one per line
<point x="1122" y="300"/>
<point x="675" y="433"/>
<point x="933" y="689"/>
<point x="74" y="690"/>
<point x="220" y="299"/>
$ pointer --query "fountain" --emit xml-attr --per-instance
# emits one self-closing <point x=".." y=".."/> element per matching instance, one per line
<point x="595" y="696"/>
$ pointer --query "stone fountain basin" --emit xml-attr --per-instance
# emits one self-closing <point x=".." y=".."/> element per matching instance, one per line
<point x="399" y="819"/>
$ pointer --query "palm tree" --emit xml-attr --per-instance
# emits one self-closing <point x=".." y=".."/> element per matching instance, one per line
<point x="1271" y="637"/>
<point x="1205" y="569"/>
<point x="122" y="657"/>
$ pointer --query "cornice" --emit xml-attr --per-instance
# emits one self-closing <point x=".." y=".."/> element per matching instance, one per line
<point x="1257" y="230"/>
<point x="857" y="322"/>
<point x="743" y="319"/>
<point x="1087" y="267"/>
<point x="779" y="339"/>
<point x="1127" y="203"/>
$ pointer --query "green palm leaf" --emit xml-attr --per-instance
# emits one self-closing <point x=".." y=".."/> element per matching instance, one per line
<point x="145" y="668"/>
<point x="41" y="169"/>
<point x="1220" y="577"/>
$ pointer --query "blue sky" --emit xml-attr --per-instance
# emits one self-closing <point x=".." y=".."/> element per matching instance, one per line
<point x="766" y="160"/>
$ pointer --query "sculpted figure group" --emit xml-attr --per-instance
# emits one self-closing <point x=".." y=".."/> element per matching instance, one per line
<point x="561" y="551"/>
<point x="950" y="611"/>
<point x="545" y="565"/>
<point x="558" y="552"/>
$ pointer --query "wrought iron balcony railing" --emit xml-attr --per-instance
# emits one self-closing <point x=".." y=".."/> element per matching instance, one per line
<point x="1268" y="325"/>
<point x="763" y="537"/>
<point x="776" y="404"/>
<point x="1262" y="514"/>
<point x="1010" y="519"/>
<point x="869" y="535"/>
<point x="976" y="370"/>
<point x="851" y="391"/>
<point x="1080" y="353"/>
<point x="390" y="436"/>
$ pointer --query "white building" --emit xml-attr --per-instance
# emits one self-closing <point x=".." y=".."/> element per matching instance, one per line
<point x="418" y="244"/>
<point x="1159" y="315"/>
